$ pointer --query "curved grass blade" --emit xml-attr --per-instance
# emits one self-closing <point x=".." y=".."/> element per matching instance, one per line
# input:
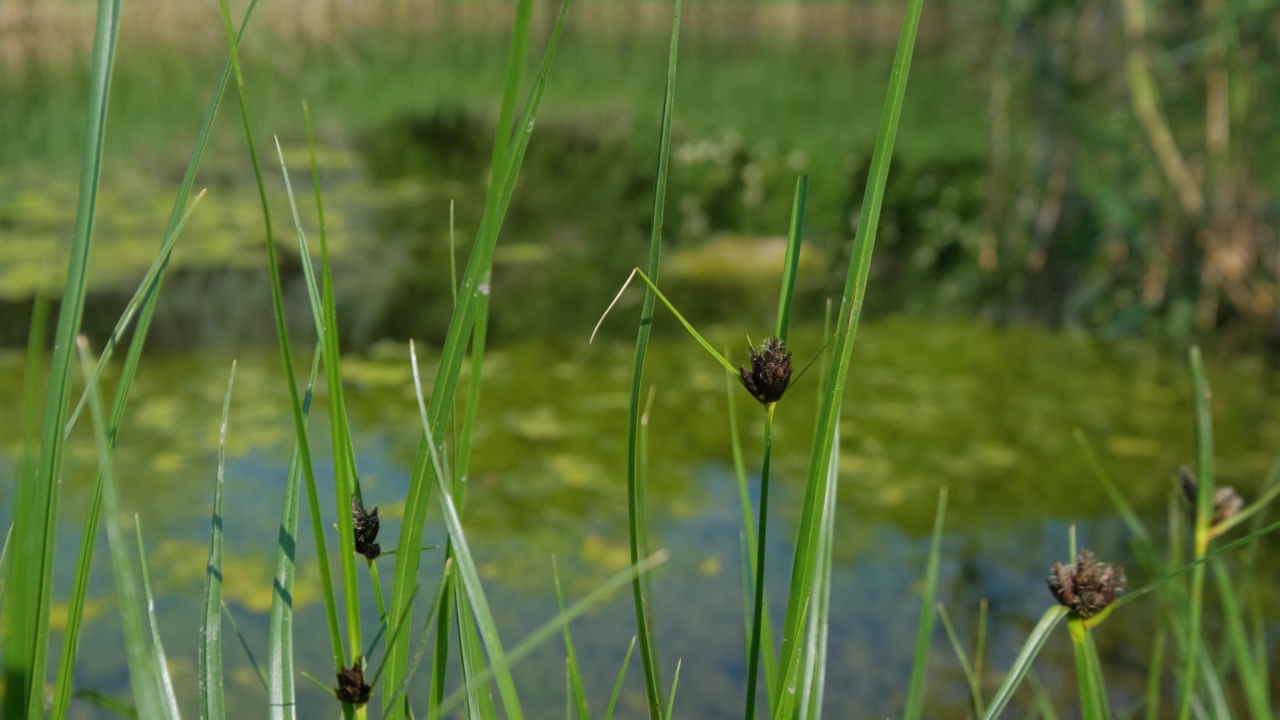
<point x="209" y="658"/>
<point x="35" y="519"/>
<point x="622" y="674"/>
<point x="128" y="371"/>
<point x="1093" y="694"/>
<point x="460" y="330"/>
<point x="758" y="609"/>
<point x="421" y="648"/>
<point x="160" y="664"/>
<point x="286" y="357"/>
<point x="1022" y="663"/>
<point x="244" y="645"/>
<point x="803" y="566"/>
<point x="1204" y="515"/>
<point x="970" y="674"/>
<point x="105" y="702"/>
<point x="139" y="653"/>
<point x="924" y="630"/>
<point x="675" y="682"/>
<point x="281" y="699"/>
<point x="547" y="630"/>
<point x="813" y="687"/>
<point x="637" y="533"/>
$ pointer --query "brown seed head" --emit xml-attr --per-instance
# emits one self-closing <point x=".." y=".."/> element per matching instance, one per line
<point x="351" y="686"/>
<point x="770" y="371"/>
<point x="1086" y="586"/>
<point x="1226" y="501"/>
<point x="365" y="526"/>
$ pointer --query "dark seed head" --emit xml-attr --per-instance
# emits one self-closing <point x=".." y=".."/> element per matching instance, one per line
<point x="1226" y="501"/>
<point x="1086" y="586"/>
<point x="365" y="526"/>
<point x="351" y="686"/>
<point x="770" y="371"/>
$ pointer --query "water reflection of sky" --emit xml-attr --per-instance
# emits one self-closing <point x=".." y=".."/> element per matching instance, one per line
<point x="987" y="413"/>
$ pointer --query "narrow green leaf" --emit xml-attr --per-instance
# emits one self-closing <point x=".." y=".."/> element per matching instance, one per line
<point x="27" y="653"/>
<point x="281" y="699"/>
<point x="244" y="645"/>
<point x="159" y="663"/>
<point x="617" y="685"/>
<point x="1252" y="679"/>
<point x="574" y="673"/>
<point x="138" y="649"/>
<point x="924" y="629"/>
<point x="1093" y="695"/>
<point x="758" y="608"/>
<point x="795" y="233"/>
<point x="1022" y="663"/>
<point x="1204" y="515"/>
<point x="105" y="702"/>
<point x="814" y="679"/>
<point x="970" y="675"/>
<point x="209" y="660"/>
<point x="675" y="682"/>
<point x="805" y="557"/>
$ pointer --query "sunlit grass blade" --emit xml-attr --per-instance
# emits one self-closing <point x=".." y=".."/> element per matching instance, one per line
<point x="622" y="675"/>
<point x="579" y="693"/>
<point x="758" y="608"/>
<point x="35" y="517"/>
<point x="813" y="682"/>
<point x="209" y="658"/>
<point x="345" y="486"/>
<point x="1252" y="679"/>
<point x="280" y="690"/>
<point x="286" y="357"/>
<point x="1022" y="663"/>
<point x="795" y="233"/>
<point x="636" y="532"/>
<point x="128" y="371"/>
<point x="160" y="664"/>
<point x="395" y="698"/>
<point x="149" y="286"/>
<point x="550" y="628"/>
<point x="924" y="629"/>
<point x="1204" y="515"/>
<point x="105" y="702"/>
<point x="1093" y="693"/>
<point x="675" y="683"/>
<point x="805" y="556"/>
<point x="461" y="324"/>
<point x="138" y="650"/>
<point x="479" y="694"/>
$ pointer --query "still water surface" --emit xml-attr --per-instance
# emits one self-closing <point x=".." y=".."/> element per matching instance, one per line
<point x="987" y="413"/>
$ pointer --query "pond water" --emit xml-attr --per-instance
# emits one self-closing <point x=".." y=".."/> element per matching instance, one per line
<point x="987" y="413"/>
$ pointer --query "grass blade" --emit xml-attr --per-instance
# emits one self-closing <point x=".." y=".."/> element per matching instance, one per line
<point x="460" y="329"/>
<point x="636" y="532"/>
<point x="815" y="664"/>
<point x="209" y="659"/>
<point x="675" y="682"/>
<point x="579" y="696"/>
<point x="1204" y="515"/>
<point x="159" y="664"/>
<point x="280" y="691"/>
<point x="1022" y="663"/>
<point x="244" y="645"/>
<point x="622" y="674"/>
<point x="1093" y="694"/>
<point x="803" y="566"/>
<point x="139" y="653"/>
<point x="795" y="233"/>
<point x="924" y="630"/>
<point x="971" y="675"/>
<point x="758" y="609"/>
<point x="35" y="517"/>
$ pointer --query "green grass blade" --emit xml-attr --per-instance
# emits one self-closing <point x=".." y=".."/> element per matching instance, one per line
<point x="209" y="658"/>
<point x="394" y="700"/>
<point x="460" y="329"/>
<point x="574" y="673"/>
<point x="105" y="702"/>
<point x="675" y="682"/>
<point x="758" y="608"/>
<point x="1093" y="694"/>
<point x="517" y="51"/>
<point x="1022" y="663"/>
<point x="35" y="521"/>
<point x="550" y="628"/>
<point x="795" y="233"/>
<point x="622" y="675"/>
<point x="4" y="565"/>
<point x="280" y="690"/>
<point x="1155" y="667"/>
<point x="177" y="218"/>
<point x="138" y="650"/>
<point x="1204" y="515"/>
<point x="813" y="687"/>
<point x="636" y="532"/>
<point x="286" y="356"/>
<point x="159" y="663"/>
<point x="1252" y="678"/>
<point x="479" y="693"/>
<point x="803" y="566"/>
<point x="970" y="674"/>
<point x="924" y="630"/>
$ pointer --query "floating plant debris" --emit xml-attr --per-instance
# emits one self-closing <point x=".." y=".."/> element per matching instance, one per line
<point x="770" y="371"/>
<point x="1086" y="586"/>
<point x="365" y="525"/>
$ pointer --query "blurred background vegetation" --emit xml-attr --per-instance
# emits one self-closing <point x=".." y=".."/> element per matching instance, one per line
<point x="1107" y="165"/>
